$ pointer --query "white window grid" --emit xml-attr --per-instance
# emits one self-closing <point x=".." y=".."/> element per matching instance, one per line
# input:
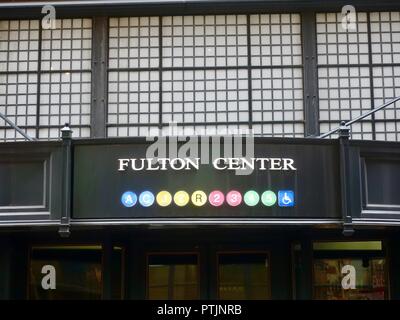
<point x="19" y="45"/>
<point x="49" y="73"/>
<point x="338" y="45"/>
<point x="275" y="40"/>
<point x="205" y="68"/>
<point x="18" y="94"/>
<point x="385" y="37"/>
<point x="205" y="96"/>
<point x="358" y="69"/>
<point x="204" y="41"/>
<point x="344" y="93"/>
<point x="68" y="46"/>
<point x="386" y="81"/>
<point x="133" y="99"/>
<point x="277" y="96"/>
<point x="64" y="98"/>
<point x="134" y="42"/>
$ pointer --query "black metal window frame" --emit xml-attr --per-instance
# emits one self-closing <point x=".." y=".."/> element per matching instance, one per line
<point x="100" y="12"/>
<point x="41" y="73"/>
<point x="249" y="68"/>
<point x="373" y="121"/>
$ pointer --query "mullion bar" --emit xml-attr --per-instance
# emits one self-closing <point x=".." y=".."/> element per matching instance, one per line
<point x="371" y="79"/>
<point x="39" y="67"/>
<point x="249" y="74"/>
<point x="99" y="77"/>
<point x="160" y="72"/>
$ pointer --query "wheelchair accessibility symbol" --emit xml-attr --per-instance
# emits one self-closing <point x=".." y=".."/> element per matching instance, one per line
<point x="286" y="198"/>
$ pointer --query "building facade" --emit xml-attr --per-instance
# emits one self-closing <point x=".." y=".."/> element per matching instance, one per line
<point x="93" y="83"/>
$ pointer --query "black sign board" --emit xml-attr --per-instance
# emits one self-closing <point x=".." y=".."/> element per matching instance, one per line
<point x="103" y="174"/>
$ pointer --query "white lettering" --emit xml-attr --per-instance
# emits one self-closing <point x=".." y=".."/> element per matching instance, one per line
<point x="275" y="164"/>
<point x="123" y="164"/>
<point x="234" y="164"/>
<point x="288" y="163"/>
<point x="217" y="164"/>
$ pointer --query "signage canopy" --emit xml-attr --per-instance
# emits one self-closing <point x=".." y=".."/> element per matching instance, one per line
<point x="112" y="181"/>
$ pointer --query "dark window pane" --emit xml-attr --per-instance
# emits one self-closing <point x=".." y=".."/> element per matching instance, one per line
<point x="78" y="272"/>
<point x="383" y="179"/>
<point x="22" y="183"/>
<point x="173" y="277"/>
<point x="244" y="276"/>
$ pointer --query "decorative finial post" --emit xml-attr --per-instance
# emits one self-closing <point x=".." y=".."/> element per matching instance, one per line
<point x="344" y="131"/>
<point x="66" y="132"/>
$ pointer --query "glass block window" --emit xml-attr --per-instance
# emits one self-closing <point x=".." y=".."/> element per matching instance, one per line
<point x="133" y="100"/>
<point x="65" y="92"/>
<point x="289" y="129"/>
<point x="68" y="46"/>
<point x="134" y="42"/>
<point x="205" y="96"/>
<point x="344" y="93"/>
<point x="346" y="70"/>
<point x="45" y="77"/>
<point x="385" y="47"/>
<point x="278" y="97"/>
<point x="201" y="72"/>
<point x="337" y="45"/>
<point x="275" y="40"/>
<point x="386" y="81"/>
<point x="19" y="44"/>
<point x="136" y="131"/>
<point x="385" y="37"/>
<point x="64" y="98"/>
<point x="18" y="102"/>
<point x="204" y="41"/>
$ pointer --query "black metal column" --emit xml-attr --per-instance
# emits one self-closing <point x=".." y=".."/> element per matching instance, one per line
<point x="302" y="257"/>
<point x="344" y="135"/>
<point x="99" y="77"/>
<point x="66" y="134"/>
<point x="310" y="74"/>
